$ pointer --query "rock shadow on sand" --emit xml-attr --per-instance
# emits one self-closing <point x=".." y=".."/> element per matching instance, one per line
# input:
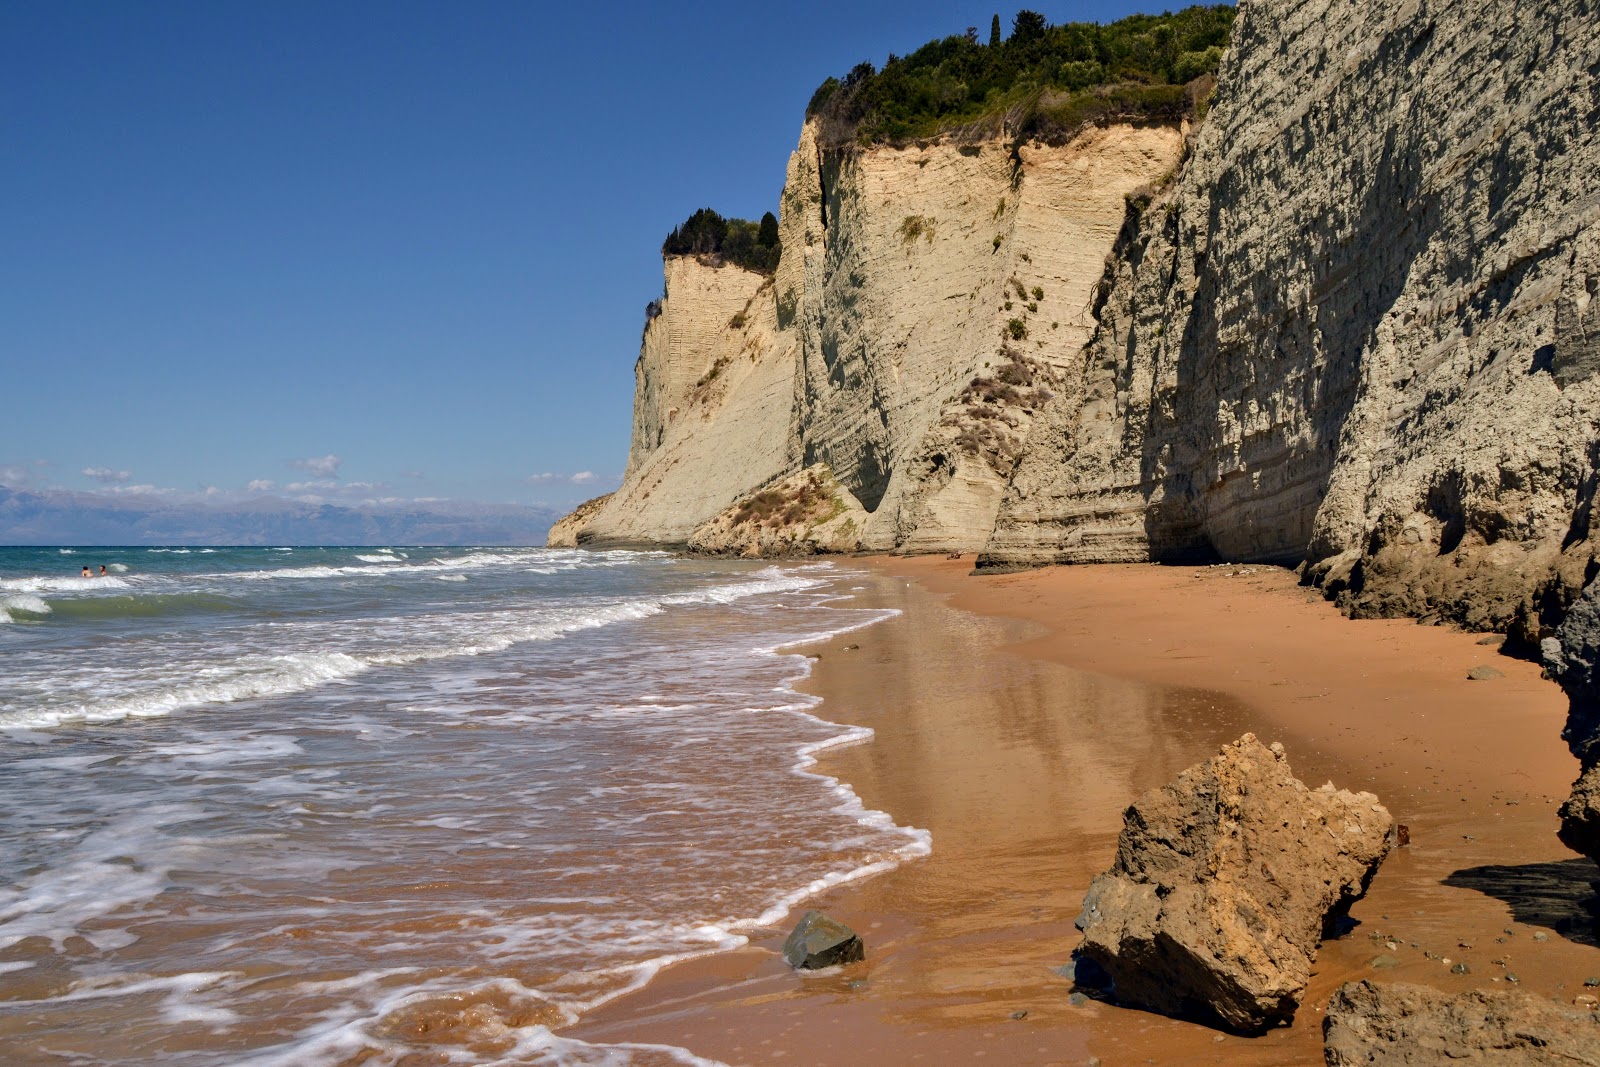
<point x="1563" y="895"/>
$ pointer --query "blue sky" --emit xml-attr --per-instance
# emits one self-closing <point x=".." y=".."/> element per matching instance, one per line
<point x="348" y="251"/>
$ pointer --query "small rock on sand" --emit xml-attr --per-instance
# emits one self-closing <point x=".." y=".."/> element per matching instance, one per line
<point x="1483" y="672"/>
<point x="819" y="941"/>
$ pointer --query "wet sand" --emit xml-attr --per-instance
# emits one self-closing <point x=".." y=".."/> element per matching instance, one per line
<point x="1017" y="715"/>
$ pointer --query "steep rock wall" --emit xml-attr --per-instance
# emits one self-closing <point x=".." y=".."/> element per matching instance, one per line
<point x="913" y="262"/>
<point x="1361" y="328"/>
<point x="883" y="347"/>
<point x="714" y="388"/>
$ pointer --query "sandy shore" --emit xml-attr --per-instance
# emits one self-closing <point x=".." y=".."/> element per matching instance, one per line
<point x="1017" y="715"/>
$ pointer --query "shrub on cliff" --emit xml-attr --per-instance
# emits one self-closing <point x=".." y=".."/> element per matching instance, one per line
<point x="751" y="245"/>
<point x="1045" y="81"/>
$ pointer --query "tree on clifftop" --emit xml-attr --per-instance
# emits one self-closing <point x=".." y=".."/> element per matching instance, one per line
<point x="1028" y="26"/>
<point x="706" y="234"/>
<point x="994" y="32"/>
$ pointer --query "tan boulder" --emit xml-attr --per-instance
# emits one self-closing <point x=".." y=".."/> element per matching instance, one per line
<point x="1224" y="883"/>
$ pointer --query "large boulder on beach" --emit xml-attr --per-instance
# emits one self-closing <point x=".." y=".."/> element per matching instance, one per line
<point x="1572" y="657"/>
<point x="819" y="941"/>
<point x="1414" y="1026"/>
<point x="1224" y="884"/>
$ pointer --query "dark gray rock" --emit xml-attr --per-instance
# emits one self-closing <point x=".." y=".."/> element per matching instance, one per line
<point x="1413" y="1026"/>
<point x="1572" y="658"/>
<point x="819" y="941"/>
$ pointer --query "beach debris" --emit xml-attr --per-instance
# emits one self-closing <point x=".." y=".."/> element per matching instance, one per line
<point x="819" y="941"/>
<point x="1413" y="1026"/>
<point x="1461" y="968"/>
<point x="1402" y="835"/>
<point x="1224" y="883"/>
<point x="1483" y="672"/>
<point x="1492" y="639"/>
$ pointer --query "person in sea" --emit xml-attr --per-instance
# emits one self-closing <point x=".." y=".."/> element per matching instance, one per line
<point x="102" y="570"/>
<point x="86" y="573"/>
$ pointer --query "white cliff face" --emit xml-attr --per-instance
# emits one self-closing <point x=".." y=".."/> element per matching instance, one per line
<point x="914" y="264"/>
<point x="883" y="347"/>
<point x="714" y="389"/>
<point x="1362" y="328"/>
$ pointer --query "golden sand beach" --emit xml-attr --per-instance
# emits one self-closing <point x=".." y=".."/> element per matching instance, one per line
<point x="1017" y="715"/>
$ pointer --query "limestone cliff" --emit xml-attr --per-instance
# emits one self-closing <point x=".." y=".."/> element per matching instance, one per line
<point x="925" y="300"/>
<point x="1359" y="330"/>
<point x="926" y="268"/>
<point x="1348" y="322"/>
<point x="714" y="388"/>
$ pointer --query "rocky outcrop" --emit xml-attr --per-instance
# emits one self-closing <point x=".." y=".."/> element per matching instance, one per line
<point x="1361" y="329"/>
<point x="801" y="515"/>
<point x="818" y="941"/>
<point x="564" y="533"/>
<point x="1413" y="1026"/>
<point x="1224" y="883"/>
<point x="1572" y="657"/>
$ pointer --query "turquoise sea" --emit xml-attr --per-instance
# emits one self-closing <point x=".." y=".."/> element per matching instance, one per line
<point x="302" y="806"/>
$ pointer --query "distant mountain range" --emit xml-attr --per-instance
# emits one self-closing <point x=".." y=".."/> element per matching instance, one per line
<point x="64" y="517"/>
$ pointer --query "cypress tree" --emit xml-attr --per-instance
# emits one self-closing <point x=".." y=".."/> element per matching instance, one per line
<point x="767" y="236"/>
<point x="994" y="32"/>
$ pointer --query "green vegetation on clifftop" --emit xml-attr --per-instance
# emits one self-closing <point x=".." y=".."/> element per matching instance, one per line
<point x="1043" y="81"/>
<point x="751" y="245"/>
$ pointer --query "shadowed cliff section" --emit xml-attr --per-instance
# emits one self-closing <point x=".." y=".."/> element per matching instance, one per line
<point x="1359" y="331"/>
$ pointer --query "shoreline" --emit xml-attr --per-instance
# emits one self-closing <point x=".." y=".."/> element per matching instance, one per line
<point x="1015" y="716"/>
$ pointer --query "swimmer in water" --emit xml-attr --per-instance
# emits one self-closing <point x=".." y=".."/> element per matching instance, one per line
<point x="86" y="573"/>
<point x="102" y="570"/>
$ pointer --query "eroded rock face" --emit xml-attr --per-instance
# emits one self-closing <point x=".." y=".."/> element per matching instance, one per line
<point x="1224" y="882"/>
<point x="567" y="529"/>
<point x="1414" y="1026"/>
<point x="1572" y="658"/>
<point x="1361" y="329"/>
<point x="801" y="515"/>
<point x="924" y="299"/>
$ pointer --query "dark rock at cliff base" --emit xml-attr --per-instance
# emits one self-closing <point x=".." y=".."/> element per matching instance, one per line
<point x="819" y="941"/>
<point x="1224" y="883"/>
<point x="1573" y="659"/>
<point x="1413" y="1026"/>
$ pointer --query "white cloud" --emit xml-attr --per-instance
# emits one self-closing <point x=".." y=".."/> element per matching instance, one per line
<point x="259" y="485"/>
<point x="14" y="474"/>
<point x="581" y="478"/>
<point x="105" y="475"/>
<point x="325" y="466"/>
<point x="319" y="483"/>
